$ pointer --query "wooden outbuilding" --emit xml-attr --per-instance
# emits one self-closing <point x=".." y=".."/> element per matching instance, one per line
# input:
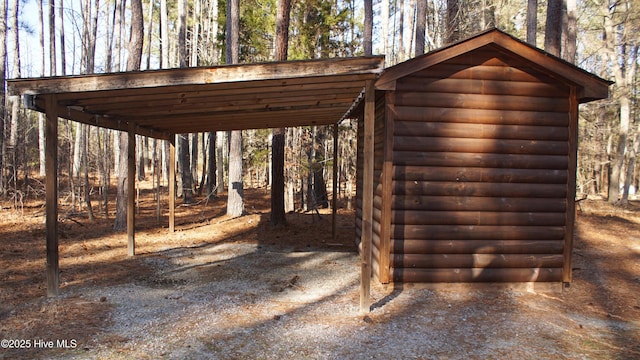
<point x="474" y="164"/>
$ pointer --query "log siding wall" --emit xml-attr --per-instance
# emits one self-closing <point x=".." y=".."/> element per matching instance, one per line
<point x="480" y="175"/>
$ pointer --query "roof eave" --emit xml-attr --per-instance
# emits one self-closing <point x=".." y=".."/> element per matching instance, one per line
<point x="591" y="87"/>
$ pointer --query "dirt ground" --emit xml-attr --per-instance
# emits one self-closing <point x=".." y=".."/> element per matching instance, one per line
<point x="239" y="288"/>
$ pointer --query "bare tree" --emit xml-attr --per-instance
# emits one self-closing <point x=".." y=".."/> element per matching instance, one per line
<point x="15" y="100"/>
<point x="384" y="25"/>
<point x="164" y="35"/>
<point x="453" y="21"/>
<point x="52" y="37"/>
<point x="41" y="124"/>
<point x="63" y="60"/>
<point x="3" y="76"/>
<point x="621" y="49"/>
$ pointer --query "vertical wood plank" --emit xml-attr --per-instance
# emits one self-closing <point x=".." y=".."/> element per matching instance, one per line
<point x="131" y="185"/>
<point x="334" y="195"/>
<point x="367" y="197"/>
<point x="387" y="188"/>
<point x="51" y="189"/>
<point x="571" y="188"/>
<point x="172" y="183"/>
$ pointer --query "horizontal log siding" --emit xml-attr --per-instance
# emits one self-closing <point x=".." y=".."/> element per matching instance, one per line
<point x="479" y="183"/>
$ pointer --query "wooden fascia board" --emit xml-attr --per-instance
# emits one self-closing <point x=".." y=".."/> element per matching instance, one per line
<point x="239" y="89"/>
<point x="198" y="76"/>
<point x="590" y="87"/>
<point x="96" y="120"/>
<point x="388" y="79"/>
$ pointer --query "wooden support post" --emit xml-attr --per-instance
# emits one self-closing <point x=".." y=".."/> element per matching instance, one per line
<point x="172" y="183"/>
<point x="387" y="189"/>
<point x="334" y="196"/>
<point x="51" y="189"/>
<point x="570" y="214"/>
<point x="131" y="185"/>
<point x="367" y="197"/>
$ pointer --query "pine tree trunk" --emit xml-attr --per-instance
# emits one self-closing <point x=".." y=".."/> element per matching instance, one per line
<point x="140" y="156"/>
<point x="532" y="21"/>
<point x="569" y="31"/>
<point x="85" y="163"/>
<point x="400" y="55"/>
<point x="421" y="24"/>
<point x="194" y="158"/>
<point x="278" y="216"/>
<point x="211" y="165"/>
<point x="122" y="192"/>
<point x="185" y="169"/>
<point x="235" y="200"/>
<point x="553" y="27"/>
<point x="220" y="162"/>
<point x="133" y="63"/>
<point x="368" y="27"/>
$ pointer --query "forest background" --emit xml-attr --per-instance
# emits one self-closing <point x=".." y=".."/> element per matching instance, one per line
<point x="66" y="37"/>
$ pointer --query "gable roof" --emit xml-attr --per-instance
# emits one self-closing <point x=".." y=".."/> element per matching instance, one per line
<point x="589" y="86"/>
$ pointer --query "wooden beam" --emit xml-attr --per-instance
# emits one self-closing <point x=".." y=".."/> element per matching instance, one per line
<point x="367" y="198"/>
<point x="238" y="89"/>
<point x="51" y="189"/>
<point x="172" y="183"/>
<point x="567" y="273"/>
<point x="71" y="113"/>
<point x="199" y="76"/>
<point x="386" y="180"/>
<point x="334" y="195"/>
<point x="131" y="184"/>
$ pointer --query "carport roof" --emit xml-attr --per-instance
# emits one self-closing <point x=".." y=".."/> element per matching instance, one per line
<point x="161" y="103"/>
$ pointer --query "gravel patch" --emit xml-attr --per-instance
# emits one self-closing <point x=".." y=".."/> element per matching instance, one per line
<point x="248" y="301"/>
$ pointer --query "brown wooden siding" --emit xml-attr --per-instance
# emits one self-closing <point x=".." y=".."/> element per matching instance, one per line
<point x="480" y="178"/>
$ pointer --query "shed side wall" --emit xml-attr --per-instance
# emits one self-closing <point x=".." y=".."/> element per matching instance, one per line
<point x="480" y="175"/>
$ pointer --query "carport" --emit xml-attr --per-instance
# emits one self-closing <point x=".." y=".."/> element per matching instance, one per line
<point x="163" y="103"/>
